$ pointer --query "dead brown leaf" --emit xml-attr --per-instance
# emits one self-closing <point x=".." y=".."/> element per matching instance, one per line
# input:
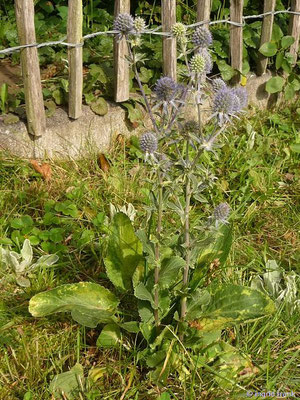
<point x="103" y="163"/>
<point x="44" y="169"/>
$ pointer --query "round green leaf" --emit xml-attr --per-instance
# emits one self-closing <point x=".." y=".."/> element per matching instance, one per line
<point x="99" y="106"/>
<point x="287" y="41"/>
<point x="89" y="303"/>
<point x="268" y="49"/>
<point x="289" y="92"/>
<point x="275" y="84"/>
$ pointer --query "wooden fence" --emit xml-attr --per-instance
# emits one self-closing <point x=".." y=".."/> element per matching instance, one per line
<point x="30" y="63"/>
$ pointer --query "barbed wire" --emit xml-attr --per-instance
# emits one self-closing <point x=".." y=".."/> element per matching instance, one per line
<point x="155" y="31"/>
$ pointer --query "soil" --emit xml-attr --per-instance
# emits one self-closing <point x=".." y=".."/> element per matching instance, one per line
<point x="10" y="74"/>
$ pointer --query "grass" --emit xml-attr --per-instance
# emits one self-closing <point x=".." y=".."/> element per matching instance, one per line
<point x="258" y="174"/>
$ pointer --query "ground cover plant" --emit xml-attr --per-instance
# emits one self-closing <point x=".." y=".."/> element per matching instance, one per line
<point x="148" y="276"/>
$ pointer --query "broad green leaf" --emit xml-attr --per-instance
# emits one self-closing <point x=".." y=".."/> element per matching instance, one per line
<point x="234" y="304"/>
<point x="110" y="336"/>
<point x="68" y="383"/>
<point x="131" y="326"/>
<point x="170" y="268"/>
<point x="287" y="41"/>
<point x="124" y="252"/>
<point x="99" y="106"/>
<point x="142" y="293"/>
<point x="279" y="60"/>
<point x="275" y="84"/>
<point x="276" y="33"/>
<point x="199" y="299"/>
<point x="289" y="91"/>
<point x="89" y="303"/>
<point x="268" y="49"/>
<point x="295" y="147"/>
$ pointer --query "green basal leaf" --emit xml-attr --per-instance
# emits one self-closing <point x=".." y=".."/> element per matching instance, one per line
<point x="199" y="299"/>
<point x="131" y="326"/>
<point x="268" y="49"/>
<point x="124" y="252"/>
<point x="110" y="336"/>
<point x="275" y="84"/>
<point x="142" y="293"/>
<point x="68" y="383"/>
<point x="295" y="147"/>
<point x="169" y="271"/>
<point x="89" y="303"/>
<point x="233" y="304"/>
<point x="145" y="311"/>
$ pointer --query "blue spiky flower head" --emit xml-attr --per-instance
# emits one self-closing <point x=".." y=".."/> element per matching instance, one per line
<point x="166" y="89"/>
<point x="148" y="143"/>
<point x="242" y="95"/>
<point x="218" y="84"/>
<point x="124" y="25"/>
<point x="202" y="37"/>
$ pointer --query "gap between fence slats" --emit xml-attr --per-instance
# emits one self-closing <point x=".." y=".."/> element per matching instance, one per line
<point x="236" y="37"/>
<point x="35" y="111"/>
<point x="75" y="58"/>
<point x="168" y="10"/>
<point x="121" y="66"/>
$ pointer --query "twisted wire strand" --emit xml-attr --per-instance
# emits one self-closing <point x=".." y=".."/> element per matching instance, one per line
<point x="155" y="31"/>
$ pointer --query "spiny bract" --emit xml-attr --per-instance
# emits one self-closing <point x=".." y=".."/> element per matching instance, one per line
<point x="221" y="212"/>
<point x="218" y="84"/>
<point x="124" y="24"/>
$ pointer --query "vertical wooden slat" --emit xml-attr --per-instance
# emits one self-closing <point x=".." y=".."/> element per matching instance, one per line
<point x="168" y="10"/>
<point x="75" y="58"/>
<point x="294" y="28"/>
<point x="266" y="34"/>
<point x="236" y="36"/>
<point x="121" y="67"/>
<point x="35" y="111"/>
<point x="203" y="10"/>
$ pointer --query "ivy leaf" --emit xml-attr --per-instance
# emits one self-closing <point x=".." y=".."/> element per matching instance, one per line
<point x="275" y="84"/>
<point x="124" y="252"/>
<point x="268" y="49"/>
<point x="89" y="303"/>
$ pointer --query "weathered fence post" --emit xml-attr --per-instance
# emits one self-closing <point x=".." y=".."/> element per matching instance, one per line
<point x="203" y="11"/>
<point x="168" y="11"/>
<point x="294" y="28"/>
<point x="236" y="36"/>
<point x="35" y="110"/>
<point x="75" y="58"/>
<point x="121" y="66"/>
<point x="266" y="34"/>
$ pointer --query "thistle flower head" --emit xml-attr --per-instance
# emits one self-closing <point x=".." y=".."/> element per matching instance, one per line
<point x="166" y="89"/>
<point x="208" y="60"/>
<point x="190" y="127"/>
<point x="236" y="104"/>
<point x="221" y="213"/>
<point x="124" y="24"/>
<point x="202" y="37"/>
<point x="178" y="30"/>
<point x="242" y="95"/>
<point x="218" y="84"/>
<point x="139" y="24"/>
<point x="198" y="64"/>
<point x="148" y="143"/>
